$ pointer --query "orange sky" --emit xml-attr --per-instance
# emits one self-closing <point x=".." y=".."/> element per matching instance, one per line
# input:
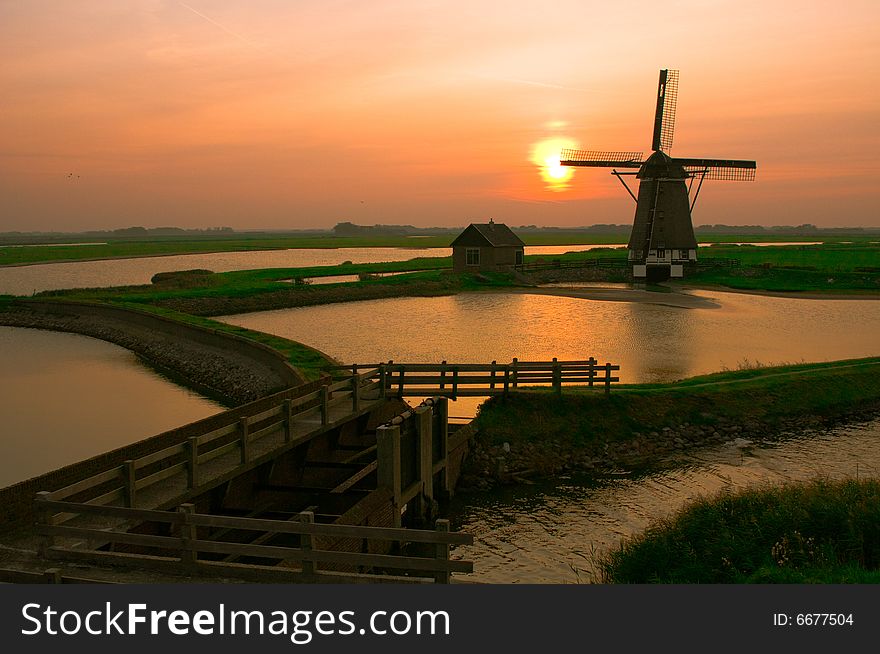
<point x="280" y="114"/>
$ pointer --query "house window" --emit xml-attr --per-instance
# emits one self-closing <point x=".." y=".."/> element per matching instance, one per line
<point x="661" y="254"/>
<point x="472" y="256"/>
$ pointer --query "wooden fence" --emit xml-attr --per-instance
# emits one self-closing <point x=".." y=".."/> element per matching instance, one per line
<point x="188" y="545"/>
<point x="614" y="262"/>
<point x="597" y="262"/>
<point x="280" y="427"/>
<point x="480" y="380"/>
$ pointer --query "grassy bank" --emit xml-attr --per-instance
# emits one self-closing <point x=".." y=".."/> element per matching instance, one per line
<point x="818" y="532"/>
<point x="766" y="396"/>
<point x="202" y="244"/>
<point x="258" y="290"/>
<point x="835" y="268"/>
<point x="307" y="360"/>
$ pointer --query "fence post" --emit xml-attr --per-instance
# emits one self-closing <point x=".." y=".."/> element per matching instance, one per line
<point x="188" y="554"/>
<point x="492" y="383"/>
<point x="607" y="379"/>
<point x="454" y="382"/>
<point x="388" y="465"/>
<point x="557" y="377"/>
<point x="441" y="409"/>
<point x="305" y="543"/>
<point x="44" y="517"/>
<point x="355" y="393"/>
<point x="53" y="576"/>
<point x="515" y="380"/>
<point x="243" y="440"/>
<point x="129" y="473"/>
<point x="325" y="397"/>
<point x="592" y="370"/>
<point x="506" y="379"/>
<point x="192" y="468"/>
<point x="400" y="382"/>
<point x="424" y="434"/>
<point x="288" y="421"/>
<point x="441" y="553"/>
<point x="382" y="380"/>
<point x="443" y="375"/>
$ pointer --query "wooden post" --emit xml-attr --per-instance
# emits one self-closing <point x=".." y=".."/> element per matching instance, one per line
<point x="592" y="370"/>
<point x="382" y="381"/>
<point x="557" y="377"/>
<point x="325" y="397"/>
<point x="288" y="420"/>
<point x="188" y="553"/>
<point x="355" y="394"/>
<point x="442" y="553"/>
<point x="424" y="435"/>
<point x="53" y="576"/>
<point x="443" y="375"/>
<point x="441" y="410"/>
<point x="243" y="440"/>
<point x="44" y="517"/>
<point x="506" y="379"/>
<point x="515" y="380"/>
<point x="607" y="379"/>
<point x="388" y="465"/>
<point x="492" y="383"/>
<point x="454" y="382"/>
<point x="192" y="468"/>
<point x="129" y="473"/>
<point x="400" y="382"/>
<point x="305" y="543"/>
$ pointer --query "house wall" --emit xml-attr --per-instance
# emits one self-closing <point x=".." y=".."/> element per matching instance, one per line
<point x="491" y="258"/>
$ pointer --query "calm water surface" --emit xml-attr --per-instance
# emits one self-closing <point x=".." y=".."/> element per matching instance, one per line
<point x="26" y="280"/>
<point x="552" y="533"/>
<point x="652" y="343"/>
<point x="65" y="397"/>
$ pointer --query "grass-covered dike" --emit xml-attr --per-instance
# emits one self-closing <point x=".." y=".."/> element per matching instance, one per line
<point x="817" y="532"/>
<point x="637" y="424"/>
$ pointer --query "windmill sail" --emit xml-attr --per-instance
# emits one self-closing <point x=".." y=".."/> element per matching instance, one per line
<point x="664" y="115"/>
<point x="600" y="159"/>
<point x="731" y="170"/>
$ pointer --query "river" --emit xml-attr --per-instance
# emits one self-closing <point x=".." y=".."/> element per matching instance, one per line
<point x="65" y="397"/>
<point x="554" y="531"/>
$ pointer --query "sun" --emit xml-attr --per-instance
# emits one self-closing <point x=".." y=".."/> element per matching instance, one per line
<point x="545" y="155"/>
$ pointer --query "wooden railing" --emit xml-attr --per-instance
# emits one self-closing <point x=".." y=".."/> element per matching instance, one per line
<point x="299" y="419"/>
<point x="189" y="544"/>
<point x="480" y="380"/>
<point x="597" y="262"/>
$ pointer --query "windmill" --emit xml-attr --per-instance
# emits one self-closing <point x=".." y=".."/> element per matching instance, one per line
<point x="662" y="241"/>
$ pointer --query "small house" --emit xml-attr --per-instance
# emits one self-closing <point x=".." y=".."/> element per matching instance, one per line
<point x="485" y="247"/>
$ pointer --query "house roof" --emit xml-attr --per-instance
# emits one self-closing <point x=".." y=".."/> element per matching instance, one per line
<point x="492" y="234"/>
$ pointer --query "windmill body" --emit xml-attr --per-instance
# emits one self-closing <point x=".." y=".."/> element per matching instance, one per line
<point x="662" y="242"/>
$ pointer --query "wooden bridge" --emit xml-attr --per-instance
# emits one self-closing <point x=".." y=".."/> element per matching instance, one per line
<point x="216" y="501"/>
<point x="483" y="380"/>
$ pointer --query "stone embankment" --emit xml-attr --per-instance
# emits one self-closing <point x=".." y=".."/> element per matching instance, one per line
<point x="223" y="368"/>
<point x="489" y="465"/>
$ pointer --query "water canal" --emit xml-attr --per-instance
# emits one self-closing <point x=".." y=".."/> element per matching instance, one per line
<point x="552" y="532"/>
<point x="651" y="342"/>
<point x="65" y="397"/>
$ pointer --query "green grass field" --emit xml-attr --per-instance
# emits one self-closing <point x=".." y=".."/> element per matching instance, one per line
<point x="817" y="532"/>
